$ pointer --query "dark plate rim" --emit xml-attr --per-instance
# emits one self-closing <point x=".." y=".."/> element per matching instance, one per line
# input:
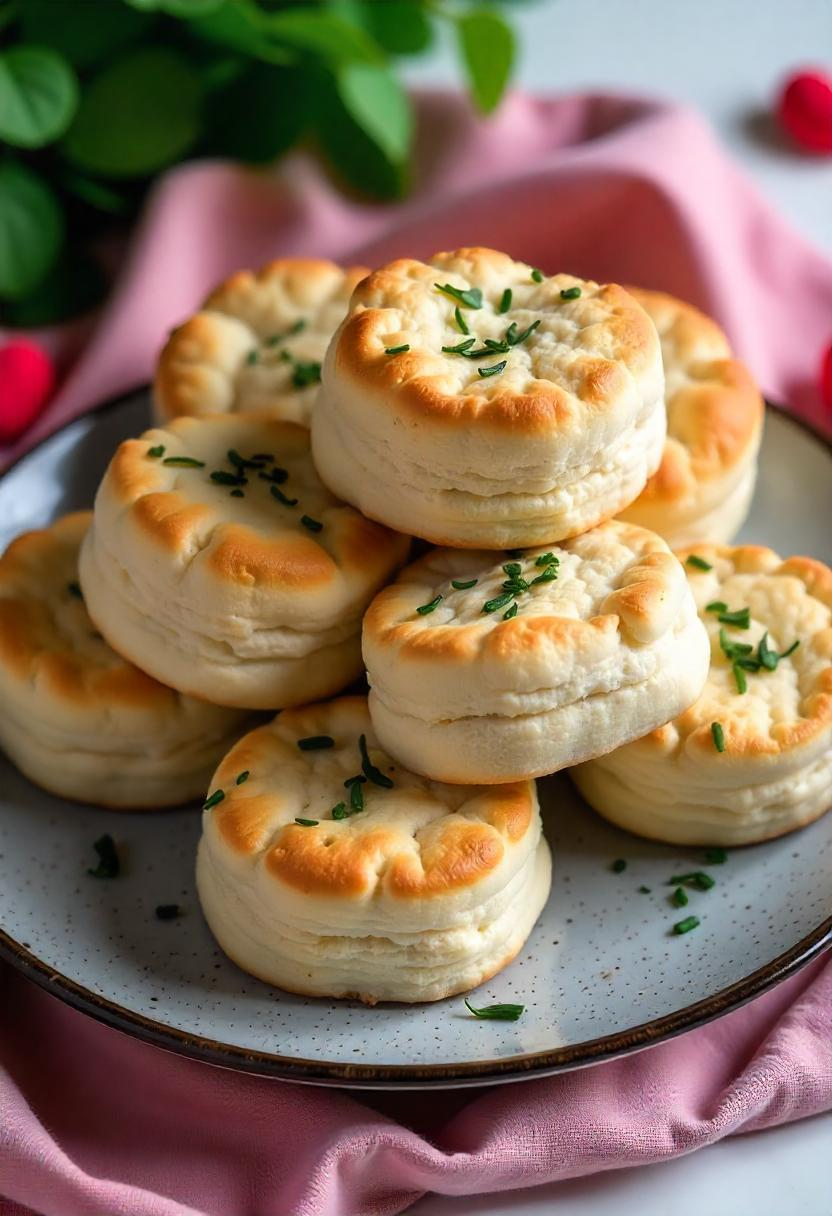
<point x="394" y="1076"/>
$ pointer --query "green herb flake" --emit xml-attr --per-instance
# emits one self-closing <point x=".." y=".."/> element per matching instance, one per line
<point x="470" y="297"/>
<point x="109" y="865"/>
<point x="698" y="563"/>
<point x="461" y="323"/>
<point x="276" y="475"/>
<point x="460" y="584"/>
<point x="546" y="576"/>
<point x="213" y="800"/>
<point x="537" y="276"/>
<point x="242" y="777"/>
<point x="277" y="493"/>
<point x="740" y="679"/>
<point x="547" y="559"/>
<point x="679" y="898"/>
<point x="168" y="911"/>
<point x="718" y="736"/>
<point x="496" y="1013"/>
<point x="306" y="374"/>
<point x="618" y="866"/>
<point x="339" y="811"/>
<point x="222" y="478"/>
<point x="461" y="348"/>
<point x="74" y="589"/>
<point x="716" y="606"/>
<point x="184" y="462"/>
<point x="512" y="567"/>
<point x="369" y="769"/>
<point x="314" y="525"/>
<point x="499" y="601"/>
<point x="685" y="926"/>
<point x="512" y="612"/>
<point x="307" y="823"/>
<point x="740" y="618"/>
<point x="505" y="301"/>
<point x="515" y="338"/>
<point x="645" y="890"/>
<point x="570" y="293"/>
<point x="716" y="856"/>
<point x="697" y="879"/>
<point x="315" y="743"/>
<point x="252" y="357"/>
<point x="156" y="452"/>
<point x="397" y="350"/>
<point x="237" y="494"/>
<point x="494" y="370"/>
<point x="425" y="609"/>
<point x="357" y="796"/>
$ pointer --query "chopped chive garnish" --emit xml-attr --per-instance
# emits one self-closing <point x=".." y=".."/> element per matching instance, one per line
<point x="740" y="679"/>
<point x="618" y="866"/>
<point x="499" y="601"/>
<point x="424" y="609"/>
<point x="733" y="650"/>
<point x="339" y="811"/>
<point x="716" y="606"/>
<point x="494" y="370"/>
<point x="547" y="576"/>
<point x="307" y="823"/>
<point x="515" y="585"/>
<point x="315" y="743"/>
<point x="314" y="525"/>
<point x="296" y="328"/>
<point x="537" y="275"/>
<point x="237" y="494"/>
<point x="718" y="736"/>
<point x="716" y="857"/>
<point x="784" y="654"/>
<point x="740" y="618"/>
<point x="356" y="797"/>
<point x="685" y="926"/>
<point x="460" y="584"/>
<point x="505" y="301"/>
<point x="263" y="456"/>
<point x="768" y="657"/>
<point x="462" y="324"/>
<point x="75" y="589"/>
<point x="277" y="475"/>
<point x="242" y="777"/>
<point x="679" y="898"/>
<point x="252" y="357"/>
<point x="306" y="374"/>
<point x="698" y="879"/>
<point x="214" y="800"/>
<point x="156" y="452"/>
<point x="359" y="779"/>
<point x="184" y="462"/>
<point x="240" y="463"/>
<point x="497" y="1013"/>
<point x="461" y="347"/>
<point x="511" y="612"/>
<point x="228" y="479"/>
<point x="512" y="567"/>
<point x="167" y="911"/>
<point x="513" y="338"/>
<point x="397" y="350"/>
<point x="281" y="497"/>
<point x="645" y="890"/>
<point x="547" y="559"/>
<point x="570" y="293"/>
<point x="109" y="865"/>
<point x="369" y="769"/>
<point x="698" y="563"/>
<point x="470" y="297"/>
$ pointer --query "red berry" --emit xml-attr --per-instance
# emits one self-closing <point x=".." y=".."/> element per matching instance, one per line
<point x="805" y="110"/>
<point x="826" y="377"/>
<point x="27" y="377"/>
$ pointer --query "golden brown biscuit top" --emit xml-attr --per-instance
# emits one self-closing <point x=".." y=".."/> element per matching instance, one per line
<point x="767" y="696"/>
<point x="47" y="639"/>
<point x="289" y="799"/>
<point x="516" y="348"/>
<point x="714" y="408"/>
<point x="258" y="341"/>
<point x="238" y="495"/>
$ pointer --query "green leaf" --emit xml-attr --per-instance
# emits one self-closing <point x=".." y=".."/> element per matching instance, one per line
<point x="487" y="46"/>
<point x="96" y="194"/>
<point x="378" y="104"/>
<point x="357" y="159"/>
<point x="278" y="98"/>
<point x="188" y="9"/>
<point x="322" y="34"/>
<point x="136" y="116"/>
<point x="31" y="229"/>
<point x="401" y="27"/>
<point x="238" y="27"/>
<point x="75" y="284"/>
<point x="38" y="96"/>
<point x="85" y="32"/>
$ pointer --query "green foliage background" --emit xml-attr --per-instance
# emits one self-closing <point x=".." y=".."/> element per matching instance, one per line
<point x="99" y="96"/>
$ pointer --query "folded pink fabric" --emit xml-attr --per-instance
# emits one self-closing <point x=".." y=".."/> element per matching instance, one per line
<point x="94" y="1123"/>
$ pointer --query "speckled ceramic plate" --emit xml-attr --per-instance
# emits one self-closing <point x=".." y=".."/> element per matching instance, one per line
<point x="601" y="974"/>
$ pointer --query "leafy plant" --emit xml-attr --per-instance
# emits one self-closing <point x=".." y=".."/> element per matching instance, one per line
<point x="99" y="96"/>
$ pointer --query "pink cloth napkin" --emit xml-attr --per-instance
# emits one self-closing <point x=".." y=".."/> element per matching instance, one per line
<point x="94" y="1123"/>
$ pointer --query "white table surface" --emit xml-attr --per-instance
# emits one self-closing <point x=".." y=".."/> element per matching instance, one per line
<point x="726" y="57"/>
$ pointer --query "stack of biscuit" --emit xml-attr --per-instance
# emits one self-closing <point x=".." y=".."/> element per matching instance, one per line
<point x="550" y="439"/>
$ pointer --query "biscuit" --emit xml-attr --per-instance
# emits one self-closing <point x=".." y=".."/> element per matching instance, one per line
<point x="703" y="488"/>
<point x="752" y="758"/>
<point x="257" y="343"/>
<point x="425" y="892"/>
<point x="526" y="411"/>
<point x="74" y="716"/>
<point x="494" y="667"/>
<point x="218" y="563"/>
